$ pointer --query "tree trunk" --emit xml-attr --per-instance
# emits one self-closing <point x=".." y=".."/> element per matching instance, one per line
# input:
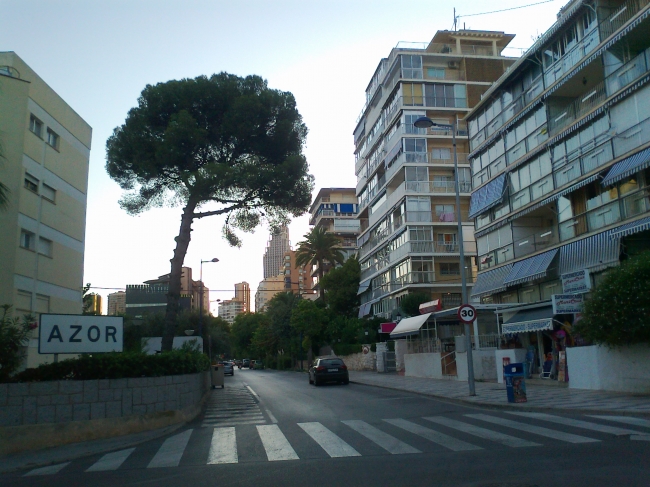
<point x="174" y="292"/>
<point x="321" y="291"/>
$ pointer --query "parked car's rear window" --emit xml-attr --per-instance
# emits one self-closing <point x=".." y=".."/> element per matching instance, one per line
<point x="330" y="362"/>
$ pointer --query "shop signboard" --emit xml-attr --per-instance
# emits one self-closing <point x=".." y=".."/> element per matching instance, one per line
<point x="576" y="282"/>
<point x="564" y="304"/>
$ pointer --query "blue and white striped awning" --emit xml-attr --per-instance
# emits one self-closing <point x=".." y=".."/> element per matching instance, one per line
<point x="364" y="286"/>
<point x="487" y="196"/>
<point x="491" y="281"/>
<point x="530" y="269"/>
<point x="630" y="228"/>
<point x="364" y="309"/>
<point x="594" y="253"/>
<point x="627" y="167"/>
<point x="526" y="320"/>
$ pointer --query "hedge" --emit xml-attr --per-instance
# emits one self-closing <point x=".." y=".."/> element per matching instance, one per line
<point x="118" y="366"/>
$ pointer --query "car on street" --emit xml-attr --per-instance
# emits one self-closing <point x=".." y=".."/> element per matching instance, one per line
<point x="328" y="369"/>
<point x="259" y="365"/>
<point x="228" y="368"/>
<point x="245" y="363"/>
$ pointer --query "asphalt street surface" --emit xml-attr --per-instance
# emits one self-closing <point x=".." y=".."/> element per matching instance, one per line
<point x="268" y="428"/>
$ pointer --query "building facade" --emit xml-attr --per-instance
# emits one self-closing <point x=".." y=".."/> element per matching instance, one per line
<point x="194" y="290"/>
<point x="116" y="303"/>
<point x="230" y="308"/>
<point x="405" y="175"/>
<point x="243" y="294"/>
<point x="277" y="245"/>
<point x="560" y="150"/>
<point x="266" y="289"/>
<point x="46" y="150"/>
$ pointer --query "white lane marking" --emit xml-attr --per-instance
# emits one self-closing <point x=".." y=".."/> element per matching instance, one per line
<point x="111" y="461"/>
<point x="223" y="448"/>
<point x="432" y="435"/>
<point x="506" y="440"/>
<point x="252" y="391"/>
<point x="171" y="451"/>
<point x="275" y="443"/>
<point x="384" y="440"/>
<point x="271" y="416"/>
<point x="576" y="423"/>
<point x="625" y="419"/>
<point x="52" y="469"/>
<point x="334" y="446"/>
<point x="537" y="430"/>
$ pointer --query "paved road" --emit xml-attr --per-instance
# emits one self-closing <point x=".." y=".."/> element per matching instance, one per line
<point x="271" y="428"/>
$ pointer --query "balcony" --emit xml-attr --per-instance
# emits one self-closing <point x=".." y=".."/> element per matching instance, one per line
<point x="433" y="102"/>
<point x="534" y="242"/>
<point x="437" y="187"/>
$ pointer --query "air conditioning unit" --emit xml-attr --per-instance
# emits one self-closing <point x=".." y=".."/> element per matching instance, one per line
<point x="453" y="64"/>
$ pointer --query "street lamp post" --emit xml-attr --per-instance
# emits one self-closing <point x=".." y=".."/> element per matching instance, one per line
<point x="426" y="122"/>
<point x="201" y="303"/>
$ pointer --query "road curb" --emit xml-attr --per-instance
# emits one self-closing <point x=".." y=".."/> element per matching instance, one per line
<point x="519" y="407"/>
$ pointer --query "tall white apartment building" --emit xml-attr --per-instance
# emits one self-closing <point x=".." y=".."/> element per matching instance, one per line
<point x="276" y="247"/>
<point x="405" y="176"/>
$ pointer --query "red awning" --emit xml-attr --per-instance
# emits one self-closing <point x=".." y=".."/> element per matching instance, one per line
<point x="431" y="306"/>
<point x="387" y="327"/>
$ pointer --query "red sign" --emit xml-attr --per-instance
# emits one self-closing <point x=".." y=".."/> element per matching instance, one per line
<point x="430" y="307"/>
<point x="387" y="327"/>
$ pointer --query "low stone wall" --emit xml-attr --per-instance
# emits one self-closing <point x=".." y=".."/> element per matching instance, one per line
<point x="42" y="414"/>
<point x="361" y="361"/>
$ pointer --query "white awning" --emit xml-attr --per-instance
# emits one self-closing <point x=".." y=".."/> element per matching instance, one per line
<point x="409" y="326"/>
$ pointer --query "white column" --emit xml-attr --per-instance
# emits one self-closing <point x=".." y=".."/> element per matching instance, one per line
<point x="477" y="347"/>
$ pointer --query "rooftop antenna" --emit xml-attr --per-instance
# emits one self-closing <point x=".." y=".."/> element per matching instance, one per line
<point x="455" y="19"/>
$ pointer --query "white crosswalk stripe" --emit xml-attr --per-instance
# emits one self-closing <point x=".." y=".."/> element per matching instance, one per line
<point x="111" y="461"/>
<point x="602" y="428"/>
<point x="49" y="470"/>
<point x="232" y="406"/>
<point x="471" y="429"/>
<point x="625" y="420"/>
<point x="537" y="430"/>
<point x="432" y="435"/>
<point x="171" y="451"/>
<point x="223" y="448"/>
<point x="384" y="440"/>
<point x="275" y="443"/>
<point x="334" y="446"/>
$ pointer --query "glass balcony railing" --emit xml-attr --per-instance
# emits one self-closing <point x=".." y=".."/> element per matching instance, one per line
<point x="445" y="187"/>
<point x="561" y="117"/>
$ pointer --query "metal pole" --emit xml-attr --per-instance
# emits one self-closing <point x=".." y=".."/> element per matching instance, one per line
<point x="201" y="305"/>
<point x="301" y="352"/>
<point x="463" y="280"/>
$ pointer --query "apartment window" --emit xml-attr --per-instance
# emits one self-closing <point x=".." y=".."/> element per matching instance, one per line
<point x="438" y="73"/>
<point x="27" y="240"/>
<point x="449" y="269"/>
<point x="441" y="154"/>
<point x="52" y="138"/>
<point x="45" y="246"/>
<point x="48" y="192"/>
<point x="36" y="126"/>
<point x="411" y="66"/>
<point x="31" y="183"/>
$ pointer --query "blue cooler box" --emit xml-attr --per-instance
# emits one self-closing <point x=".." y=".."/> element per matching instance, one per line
<point x="514" y="375"/>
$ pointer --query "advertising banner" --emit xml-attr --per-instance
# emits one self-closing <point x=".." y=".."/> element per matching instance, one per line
<point x="567" y="303"/>
<point x="576" y="282"/>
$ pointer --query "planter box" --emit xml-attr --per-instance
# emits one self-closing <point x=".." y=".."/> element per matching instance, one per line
<point x="623" y="369"/>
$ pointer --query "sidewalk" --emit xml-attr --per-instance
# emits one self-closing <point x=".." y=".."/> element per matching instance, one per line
<point x="492" y="394"/>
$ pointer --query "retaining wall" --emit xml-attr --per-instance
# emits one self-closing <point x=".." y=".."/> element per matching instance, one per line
<point x="361" y="361"/>
<point x="42" y="414"/>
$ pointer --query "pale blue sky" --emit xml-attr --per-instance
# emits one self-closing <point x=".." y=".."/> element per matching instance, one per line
<point x="99" y="54"/>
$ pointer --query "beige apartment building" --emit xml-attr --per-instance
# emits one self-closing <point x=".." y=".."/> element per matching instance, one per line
<point x="266" y="289"/>
<point x="46" y="150"/>
<point x="243" y="294"/>
<point x="116" y="303"/>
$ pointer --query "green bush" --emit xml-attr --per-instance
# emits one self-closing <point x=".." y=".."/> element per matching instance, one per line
<point x="618" y="310"/>
<point x="14" y="334"/>
<point x="118" y="366"/>
<point x="342" y="349"/>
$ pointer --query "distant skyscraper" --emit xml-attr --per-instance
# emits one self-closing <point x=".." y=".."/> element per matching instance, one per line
<point x="243" y="294"/>
<point x="116" y="303"/>
<point x="275" y="250"/>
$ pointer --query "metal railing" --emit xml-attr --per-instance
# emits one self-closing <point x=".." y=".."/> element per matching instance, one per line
<point x="491" y="341"/>
<point x="619" y="17"/>
<point x="539" y="240"/>
<point x="448" y="187"/>
<point x="433" y="102"/>
<point x="448" y="363"/>
<point x="423" y="345"/>
<point x="560" y="117"/>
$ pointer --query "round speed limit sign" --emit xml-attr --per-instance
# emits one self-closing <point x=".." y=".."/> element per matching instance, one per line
<point x="467" y="313"/>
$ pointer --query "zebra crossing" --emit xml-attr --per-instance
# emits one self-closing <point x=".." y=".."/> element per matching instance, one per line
<point x="355" y="438"/>
<point x="232" y="406"/>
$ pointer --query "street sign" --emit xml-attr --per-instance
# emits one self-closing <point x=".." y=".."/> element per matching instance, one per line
<point x="80" y="334"/>
<point x="467" y="313"/>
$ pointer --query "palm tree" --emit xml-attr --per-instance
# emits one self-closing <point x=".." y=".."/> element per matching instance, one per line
<point x="318" y="247"/>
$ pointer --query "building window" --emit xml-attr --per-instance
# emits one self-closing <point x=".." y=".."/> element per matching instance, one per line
<point x="438" y="73"/>
<point x="36" y="126"/>
<point x="449" y="269"/>
<point x="27" y="240"/>
<point x="31" y="183"/>
<point x="52" y="138"/>
<point x="45" y="246"/>
<point x="48" y="192"/>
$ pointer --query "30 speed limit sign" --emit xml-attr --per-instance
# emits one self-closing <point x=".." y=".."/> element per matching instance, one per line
<point x="467" y="313"/>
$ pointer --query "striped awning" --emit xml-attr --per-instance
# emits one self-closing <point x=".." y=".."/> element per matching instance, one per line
<point x="594" y="253"/>
<point x="487" y="196"/>
<point x="393" y="152"/>
<point x="364" y="286"/>
<point x="364" y="309"/>
<point x="491" y="281"/>
<point x="627" y="167"/>
<point x="530" y="269"/>
<point x="630" y="228"/>
<point x="409" y="326"/>
<point x="526" y="320"/>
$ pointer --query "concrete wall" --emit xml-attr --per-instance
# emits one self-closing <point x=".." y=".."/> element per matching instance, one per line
<point x="484" y="365"/>
<point x="361" y="361"/>
<point x="624" y="369"/>
<point x="516" y="355"/>
<point x="423" y="365"/>
<point x="42" y="414"/>
<point x="400" y="351"/>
